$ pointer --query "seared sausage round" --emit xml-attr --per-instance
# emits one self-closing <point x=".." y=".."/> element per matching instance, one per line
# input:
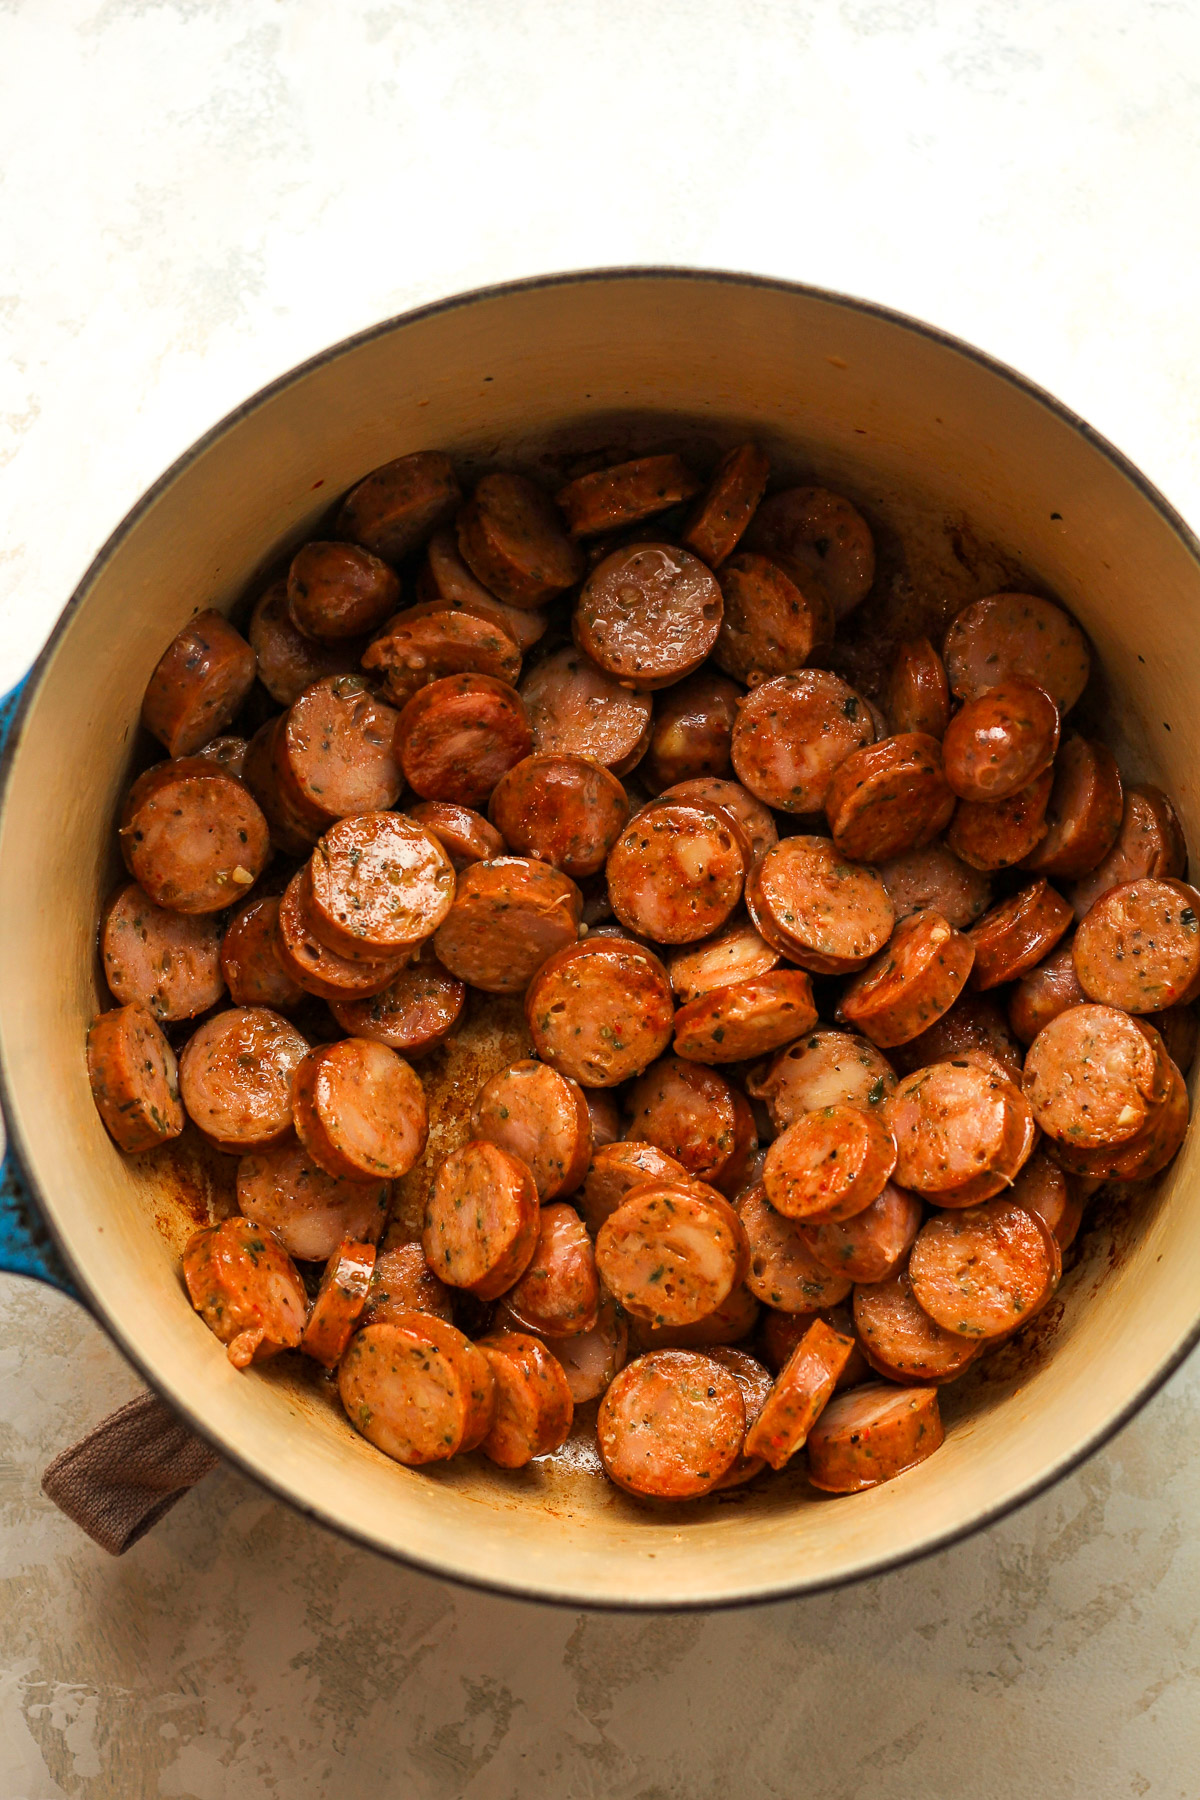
<point x="775" y="615"/>
<point x="648" y="614"/>
<point x="792" y="735"/>
<point x="824" y="532"/>
<point x="482" y="1220"/>
<point x="1000" y="741"/>
<point x="675" y="874"/>
<point x="345" y="1285"/>
<point x="1149" y="842"/>
<point x="308" y="961"/>
<point x="559" y="1291"/>
<point x="509" y="916"/>
<point x="1140" y="1157"/>
<point x="512" y="539"/>
<point x="429" y="642"/>
<point x="337" y="591"/>
<point x="1013" y="937"/>
<point x="829" y="1164"/>
<point x="672" y="1252"/>
<point x="625" y="493"/>
<point x="918" y="697"/>
<point x="542" y="1117"/>
<point x="403" y="1282"/>
<point x="693" y="728"/>
<point x="889" y="797"/>
<point x="577" y="709"/>
<point x="236" y="1074"/>
<point x="592" y="1359"/>
<point x="246" y="1288"/>
<point x="730" y="1323"/>
<point x="974" y="1028"/>
<point x="911" y="983"/>
<point x="802" y="1389"/>
<point x="1139" y="946"/>
<point x="995" y="834"/>
<point x="563" y="810"/>
<point x="756" y="1383"/>
<point x="415" y="1012"/>
<point x="961" y="1132"/>
<point x="671" y="1425"/>
<point x="534" y="1409"/>
<point x="250" y="958"/>
<point x="294" y="827"/>
<point x="1093" y="1075"/>
<point x="872" y="1244"/>
<point x="445" y="580"/>
<point x="783" y="1271"/>
<point x="826" y="1068"/>
<point x="872" y="1434"/>
<point x="755" y="819"/>
<point x="725" y="508"/>
<point x="1083" y="813"/>
<point x="693" y="1114"/>
<point x="781" y="1332"/>
<point x="466" y="836"/>
<point x="394" y="508"/>
<point x="134" y="1079"/>
<point x="168" y="962"/>
<point x="1048" y="989"/>
<point x="199" y="684"/>
<point x="900" y="1340"/>
<point x="600" y="1011"/>
<point x="1056" y="1199"/>
<point x="192" y="836"/>
<point x="417" y="1389"/>
<point x="616" y="1169"/>
<point x="1016" y="637"/>
<point x="288" y="662"/>
<point x="984" y="1271"/>
<point x="336" y="752"/>
<point x="360" y="1110"/>
<point x="309" y="1211"/>
<point x="828" y="915"/>
<point x="458" y="736"/>
<point x="378" y="884"/>
<point x="735" y="953"/>
<point x="227" y="752"/>
<point x="746" y="1019"/>
<point x="934" y="878"/>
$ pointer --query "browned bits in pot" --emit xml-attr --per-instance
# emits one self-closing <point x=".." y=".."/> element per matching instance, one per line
<point x="417" y="1389"/>
<point x="693" y="728"/>
<point x="1149" y="842"/>
<point x="198" y="685"/>
<point x="648" y="614"/>
<point x="825" y="1068"/>
<point x="792" y="735"/>
<point x="911" y="983"/>
<point x="755" y="819"/>
<point x="1048" y="989"/>
<point x="404" y="1282"/>
<point x="1017" y="637"/>
<point x="918" y="696"/>
<point x="577" y="709"/>
<point x="415" y="1012"/>
<point x="720" y="516"/>
<point x="507" y="918"/>
<point x="482" y="1220"/>
<point x="671" y="1425"/>
<point x="600" y="1011"/>
<point x="995" y="834"/>
<point x="803" y="1387"/>
<point x="961" y="1132"/>
<point x="784" y="1273"/>
<point x="694" y="1114"/>
<point x="889" y="797"/>
<point x="236" y="1074"/>
<point x="394" y="508"/>
<point x="983" y="1271"/>
<point x="829" y="1164"/>
<point x="336" y="752"/>
<point x="246" y="1289"/>
<point x="360" y="1110"/>
<point x="339" y="591"/>
<point x="1093" y="1075"/>
<point x="541" y="1116"/>
<point x="168" y="962"/>
<point x="1014" y="936"/>
<point x="775" y="616"/>
<point x="625" y="494"/>
<point x="1083" y="814"/>
<point x="676" y="872"/>
<point x="901" y="1341"/>
<point x="466" y="836"/>
<point x="563" y="810"/>
<point x="746" y="1019"/>
<point x="378" y="884"/>
<point x="192" y="836"/>
<point x="829" y="915"/>
<point x="559" y="1292"/>
<point x="458" y="736"/>
<point x="310" y="1211"/>
<point x="134" y="1080"/>
<point x="871" y="1244"/>
<point x="288" y="662"/>
<point x="250" y="958"/>
<point x="735" y="953"/>
<point x="512" y="540"/>
<point x="445" y="581"/>
<point x="1000" y="741"/>
<point x="871" y="1435"/>
<point x="534" y="1408"/>
<point x="934" y="879"/>
<point x="672" y="1252"/>
<point x="1139" y="946"/>
<point x="823" y="532"/>
<point x="430" y="642"/>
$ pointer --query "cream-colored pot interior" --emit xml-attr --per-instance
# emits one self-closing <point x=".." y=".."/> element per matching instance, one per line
<point x="967" y="465"/>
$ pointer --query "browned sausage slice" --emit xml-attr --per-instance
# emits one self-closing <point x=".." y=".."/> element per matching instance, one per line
<point x="1014" y="937"/>
<point x="747" y="1018"/>
<point x="961" y="1132"/>
<point x="1083" y="814"/>
<point x="823" y="531"/>
<point x="735" y="953"/>
<point x="236" y="1074"/>
<point x="482" y="1220"/>
<point x="871" y="1435"/>
<point x="974" y="1030"/>
<point x="801" y="1391"/>
<point x="340" y="1299"/>
<point x="792" y="735"/>
<point x="288" y="662"/>
<point x="918" y="693"/>
<point x="756" y="820"/>
<point x="1139" y="946"/>
<point x="309" y="962"/>
<point x="815" y="908"/>
<point x="911" y="983"/>
<point x="563" y="810"/>
<point x="827" y="1068"/>
<point x="559" y="1292"/>
<point x="889" y="797"/>
<point x="250" y="958"/>
<point x="716" y="523"/>
<point x="600" y="1011"/>
<point x="542" y="1117"/>
<point x="829" y="1164"/>
<point x="671" y="1425"/>
<point x="1142" y="1156"/>
<point x="577" y="709"/>
<point x="728" y="1323"/>
<point x="872" y="1245"/>
<point x="1093" y="1075"/>
<point x="1016" y="636"/>
<point x="337" y="591"/>
<point x="336" y="752"/>
<point x="672" y="1252"/>
<point x="466" y="836"/>
<point x="415" y="1012"/>
<point x="135" y="1082"/>
<point x="693" y="728"/>
<point x="1179" y="1029"/>
<point x="394" y="508"/>
<point x="199" y="684"/>
<point x="294" y="828"/>
<point x="899" y="1338"/>
<point x="648" y="614"/>
<point x="192" y="836"/>
<point x="1045" y="991"/>
<point x="1150" y="842"/>
<point x="775" y="615"/>
<point x="417" y="1389"/>
<point x="592" y="1359"/>
<point x="605" y="1114"/>
<point x="995" y="834"/>
<point x="246" y="1289"/>
<point x="509" y="916"/>
<point x="168" y="962"/>
<point x="534" y="1408"/>
<point x="309" y="1211"/>
<point x="378" y="884"/>
<point x="624" y="494"/>
<point x="458" y="736"/>
<point x="675" y="874"/>
<point x="1000" y="741"/>
<point x="360" y="1110"/>
<point x="693" y="1114"/>
<point x="512" y="539"/>
<point x="228" y="753"/>
<point x="781" y="1332"/>
<point x="935" y="879"/>
<point x="783" y="1271"/>
<point x="984" y="1271"/>
<point x="1054" y="1198"/>
<point x="756" y="1383"/>
<point x="445" y="581"/>
<point x="427" y="643"/>
<point x="615" y="1171"/>
<point x="403" y="1282"/>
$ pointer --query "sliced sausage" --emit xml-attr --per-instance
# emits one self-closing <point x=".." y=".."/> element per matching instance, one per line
<point x="934" y="878"/>
<point x="671" y="1425"/>
<point x="735" y="953"/>
<point x="672" y="1252"/>
<point x="512" y="540"/>
<point x="482" y="1220"/>
<point x="1179" y="1028"/>
<point x="378" y="884"/>
<point x="577" y="709"/>
<point x="984" y="1271"/>
<point x="559" y="1291"/>
<point x="693" y="1114"/>
<point x="961" y="1132"/>
<point x="228" y="753"/>
<point x="616" y="1169"/>
<point x="415" y="1012"/>
<point x="996" y="834"/>
<point x="444" y="581"/>
<point x="336" y="754"/>
<point x="340" y="1299"/>
<point x="199" y="684"/>
<point x="294" y="828"/>
<point x="458" y="736"/>
<point x="872" y="1245"/>
<point x="168" y="962"/>
<point x="728" y="1323"/>
<point x="1047" y="990"/>
<point x="250" y="959"/>
<point x="1014" y="937"/>
<point x="648" y="614"/>
<point x="781" y="1332"/>
<point x="417" y="1389"/>
<point x="1093" y="1075"/>
<point x="192" y="836"/>
<point x="288" y="662"/>
<point x="403" y="1282"/>
<point x="309" y="962"/>
<point x="693" y="728"/>
<point x="974" y="1030"/>
<point x="815" y="908"/>
<point x="600" y="1011"/>
<point x="236" y="1074"/>
<point x="1140" y="1157"/>
<point x="802" y="1389"/>
<point x="829" y="1164"/>
<point x="747" y="1018"/>
<point x="871" y="1435"/>
<point x="900" y="1340"/>
<point x="720" y="516"/>
<point x="246" y="1288"/>
<point x="675" y="874"/>
<point x="827" y="1068"/>
<point x="1042" y="1189"/>
<point x="542" y="1117"/>
<point x="563" y="810"/>
<point x="509" y="916"/>
<point x="792" y="735"/>
<point x="918" y="697"/>
<point x="309" y="1211"/>
<point x="889" y="797"/>
<point x="755" y="819"/>
<point x="338" y="591"/>
<point x="1139" y="946"/>
<point x="466" y="836"/>
<point x="783" y="1271"/>
<point x="360" y="1110"/>
<point x="605" y="1114"/>
<point x="911" y="983"/>
<point x="1083" y="814"/>
<point x="427" y="643"/>
<point x="775" y="615"/>
<point x="1000" y="741"/>
<point x="534" y="1408"/>
<point x="624" y="494"/>
<point x="1016" y="637"/>
<point x="756" y="1383"/>
<point x="134" y="1079"/>
<point x="394" y="508"/>
<point x="1149" y="842"/>
<point x="591" y="1360"/>
<point x="824" y="532"/>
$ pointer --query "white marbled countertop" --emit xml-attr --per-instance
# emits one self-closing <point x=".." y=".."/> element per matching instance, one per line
<point x="196" y="194"/>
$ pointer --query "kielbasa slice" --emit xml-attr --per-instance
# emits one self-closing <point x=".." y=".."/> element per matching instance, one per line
<point x="600" y="1011"/>
<point x="781" y="1332"/>
<point x="911" y="983"/>
<point x="559" y="1291"/>
<point x="693" y="729"/>
<point x="1016" y="637"/>
<point x="482" y="1220"/>
<point x="747" y="1018"/>
<point x="199" y="684"/>
<point x="250" y="961"/>
<point x="648" y="614"/>
<point x="935" y="879"/>
<point x="918" y="697"/>
<point x="756" y="1383"/>
<point x="736" y="953"/>
<point x="563" y="810"/>
<point x="983" y="1271"/>
<point x="792" y="735"/>
<point x="542" y="1117"/>
<point x="829" y="1164"/>
<point x="755" y="819"/>
<point x="168" y="962"/>
<point x="1054" y="1198"/>
<point x="716" y="523"/>
<point x="429" y="642"/>
<point x="378" y="884"/>
<point x="996" y="834"/>
<point x="1083" y="814"/>
<point x="338" y="591"/>
<point x="309" y="1211"/>
<point x="1140" y="1157"/>
<point x="577" y="709"/>
<point x="246" y="1288"/>
<point x="509" y="916"/>
<point x="288" y="662"/>
<point x="512" y="540"/>
<point x="672" y="1252"/>
<point x="1139" y="946"/>
<point x="417" y="1389"/>
<point x="783" y="1271"/>
<point x="415" y="1012"/>
<point x="889" y="797"/>
<point x="394" y="508"/>
<point x="626" y="493"/>
<point x="1000" y="741"/>
<point x="134" y="1079"/>
<point x="192" y="836"/>
<point x="728" y="1323"/>
<point x="340" y="1299"/>
<point x="309" y="962"/>
<point x="444" y="581"/>
<point x="1047" y="990"/>
<point x="827" y="1068"/>
<point x="228" y="753"/>
<point x="823" y="532"/>
<point x="466" y="836"/>
<point x="676" y="872"/>
<point x="294" y="828"/>
<point x="900" y="1340"/>
<point x="591" y="1359"/>
<point x="974" y="1030"/>
<point x="1093" y="1075"/>
<point x="236" y="1074"/>
<point x="693" y="1114"/>
<point x="775" y="615"/>
<point x="360" y="1110"/>
<point x="872" y="1434"/>
<point x="1015" y="936"/>
<point x="458" y="736"/>
<point x="534" y="1409"/>
<point x="816" y="909"/>
<point x="801" y="1391"/>
<point x="961" y="1132"/>
<point x="671" y="1425"/>
<point x="872" y="1245"/>
<point x="616" y="1169"/>
<point x="336" y="753"/>
<point x="1149" y="842"/>
<point x="403" y="1282"/>
<point x="605" y="1114"/>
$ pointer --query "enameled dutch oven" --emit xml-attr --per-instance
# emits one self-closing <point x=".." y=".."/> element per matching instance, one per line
<point x="974" y="473"/>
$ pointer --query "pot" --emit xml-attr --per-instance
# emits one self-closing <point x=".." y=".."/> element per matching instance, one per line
<point x="974" y="479"/>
